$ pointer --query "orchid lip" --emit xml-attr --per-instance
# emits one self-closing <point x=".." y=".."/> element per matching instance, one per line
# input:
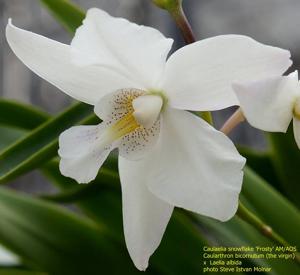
<point x="124" y="126"/>
<point x="142" y="111"/>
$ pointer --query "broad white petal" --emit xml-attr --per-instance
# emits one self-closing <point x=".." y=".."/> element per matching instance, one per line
<point x="296" y="126"/>
<point x="52" y="61"/>
<point x="145" y="216"/>
<point x="7" y="258"/>
<point x="195" y="167"/>
<point x="83" y="149"/>
<point x="268" y="104"/>
<point x="139" y="52"/>
<point x="199" y="76"/>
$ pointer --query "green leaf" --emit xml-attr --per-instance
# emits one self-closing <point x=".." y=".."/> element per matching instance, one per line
<point x="8" y="136"/>
<point x="272" y="207"/>
<point x="65" y="12"/>
<point x="15" y="271"/>
<point x="286" y="160"/>
<point x="40" y="145"/>
<point x="15" y="119"/>
<point x="105" y="207"/>
<point x="262" y="164"/>
<point x="107" y="180"/>
<point x="52" y="239"/>
<point x="21" y="116"/>
<point x="18" y="271"/>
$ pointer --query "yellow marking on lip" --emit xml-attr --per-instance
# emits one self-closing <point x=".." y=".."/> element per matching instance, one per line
<point x="296" y="110"/>
<point x="124" y="126"/>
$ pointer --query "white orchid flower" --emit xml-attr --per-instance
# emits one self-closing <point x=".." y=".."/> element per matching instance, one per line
<point x="168" y="156"/>
<point x="270" y="104"/>
<point x="7" y="258"/>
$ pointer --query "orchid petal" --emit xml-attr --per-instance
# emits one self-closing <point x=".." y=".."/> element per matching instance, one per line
<point x="198" y="76"/>
<point x="138" y="52"/>
<point x="145" y="216"/>
<point x="195" y="167"/>
<point x="7" y="258"/>
<point x="53" y="61"/>
<point x="296" y="126"/>
<point x="268" y="104"/>
<point x="83" y="149"/>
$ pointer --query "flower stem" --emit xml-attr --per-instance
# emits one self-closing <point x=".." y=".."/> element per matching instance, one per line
<point x="233" y="121"/>
<point x="245" y="214"/>
<point x="249" y="217"/>
<point x="183" y="24"/>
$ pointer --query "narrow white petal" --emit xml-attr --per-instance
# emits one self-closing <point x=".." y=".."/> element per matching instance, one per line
<point x="7" y="258"/>
<point x="52" y="61"/>
<point x="195" y="167"/>
<point x="138" y="52"/>
<point x="268" y="104"/>
<point x="83" y="149"/>
<point x="145" y="216"/>
<point x="199" y="76"/>
<point x="296" y="126"/>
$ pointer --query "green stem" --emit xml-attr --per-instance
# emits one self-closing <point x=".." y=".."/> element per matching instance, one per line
<point x="183" y="24"/>
<point x="245" y="214"/>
